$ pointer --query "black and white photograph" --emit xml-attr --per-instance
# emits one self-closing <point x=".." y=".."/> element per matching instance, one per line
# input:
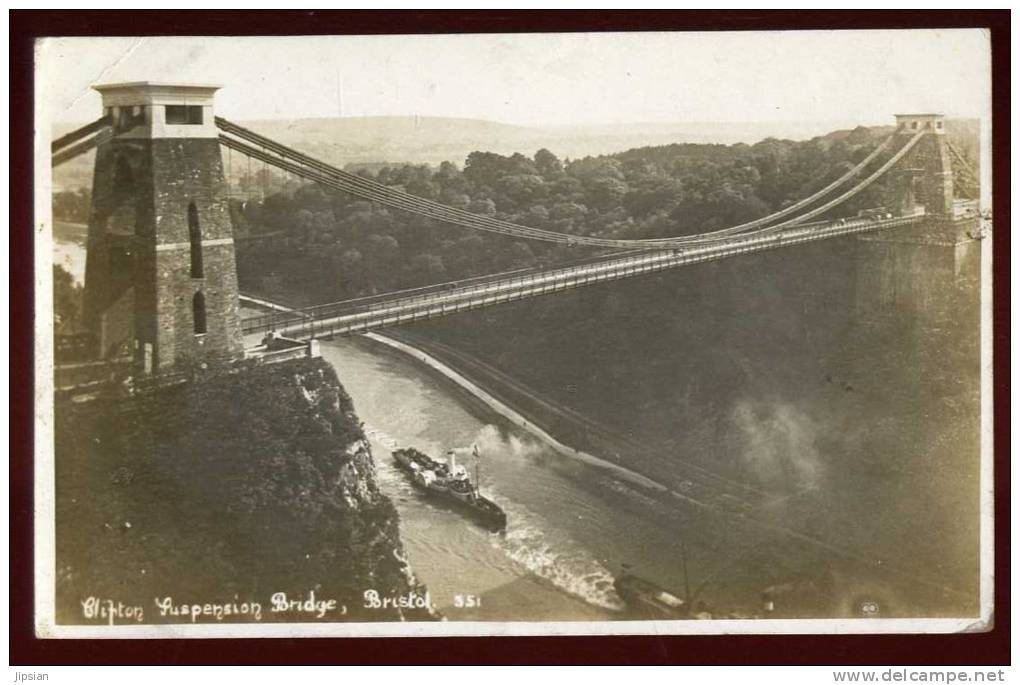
<point x="589" y="333"/>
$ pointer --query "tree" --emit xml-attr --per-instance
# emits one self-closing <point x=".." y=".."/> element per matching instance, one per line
<point x="67" y="302"/>
<point x="606" y="192"/>
<point x="452" y="182"/>
<point x="652" y="194"/>
<point x="72" y="205"/>
<point x="859" y="136"/>
<point x="548" y="164"/>
<point x="454" y="199"/>
<point x="567" y="217"/>
<point x="313" y="197"/>
<point x="520" y="190"/>
<point x="382" y="246"/>
<point x="537" y="216"/>
<point x="567" y="189"/>
<point x="567" y="210"/>
<point x="591" y="168"/>
<point x="425" y="269"/>
<point x="468" y="255"/>
<point x="348" y="276"/>
<point x="423" y="188"/>
<point x="484" y="168"/>
<point x="485" y="206"/>
<point x="521" y="255"/>
<point x="645" y="192"/>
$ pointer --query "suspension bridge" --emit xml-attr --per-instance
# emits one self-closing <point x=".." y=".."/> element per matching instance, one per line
<point x="183" y="135"/>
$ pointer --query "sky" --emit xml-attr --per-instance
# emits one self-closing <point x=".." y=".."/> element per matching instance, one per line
<point x="845" y="77"/>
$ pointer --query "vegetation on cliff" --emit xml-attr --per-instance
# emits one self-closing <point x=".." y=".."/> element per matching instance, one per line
<point x="230" y="489"/>
<point x="320" y="245"/>
<point x="68" y="297"/>
<point x="72" y="205"/>
<point x="759" y="370"/>
<point x="748" y="369"/>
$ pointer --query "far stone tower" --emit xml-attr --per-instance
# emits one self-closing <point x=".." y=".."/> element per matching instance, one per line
<point x="929" y="162"/>
<point x="913" y="274"/>
<point x="160" y="278"/>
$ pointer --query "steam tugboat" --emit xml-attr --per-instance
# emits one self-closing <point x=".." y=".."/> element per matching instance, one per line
<point x="450" y="481"/>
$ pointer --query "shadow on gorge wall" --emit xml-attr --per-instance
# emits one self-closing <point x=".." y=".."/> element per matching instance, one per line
<point x="860" y="427"/>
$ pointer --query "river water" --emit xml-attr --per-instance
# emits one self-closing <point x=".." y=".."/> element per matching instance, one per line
<point x="563" y="542"/>
<point x="852" y="540"/>
<point x="69" y="249"/>
<point x="571" y="525"/>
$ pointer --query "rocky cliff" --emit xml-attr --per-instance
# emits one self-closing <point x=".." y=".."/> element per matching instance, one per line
<point x="243" y="489"/>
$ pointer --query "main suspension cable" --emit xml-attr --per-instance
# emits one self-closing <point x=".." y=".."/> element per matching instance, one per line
<point x="377" y="192"/>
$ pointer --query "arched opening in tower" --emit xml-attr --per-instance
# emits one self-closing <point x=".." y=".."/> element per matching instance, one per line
<point x="123" y="177"/>
<point x="195" y="236"/>
<point x="198" y="312"/>
<point x="127" y="207"/>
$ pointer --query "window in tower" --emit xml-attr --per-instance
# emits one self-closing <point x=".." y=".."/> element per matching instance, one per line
<point x="198" y="312"/>
<point x="195" y="237"/>
<point x="184" y="114"/>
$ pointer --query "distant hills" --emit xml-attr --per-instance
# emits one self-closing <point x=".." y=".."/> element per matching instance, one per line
<point x="431" y="140"/>
<point x="372" y="141"/>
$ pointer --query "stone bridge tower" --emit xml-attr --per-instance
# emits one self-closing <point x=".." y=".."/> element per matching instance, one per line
<point x="912" y="274"/>
<point x="160" y="276"/>
<point x="926" y="171"/>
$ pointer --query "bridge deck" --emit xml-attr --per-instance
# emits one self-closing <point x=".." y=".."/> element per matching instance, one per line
<point x="345" y="318"/>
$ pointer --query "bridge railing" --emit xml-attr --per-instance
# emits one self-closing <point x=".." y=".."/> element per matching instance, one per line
<point x="264" y="354"/>
<point x="405" y="310"/>
<point x="267" y="322"/>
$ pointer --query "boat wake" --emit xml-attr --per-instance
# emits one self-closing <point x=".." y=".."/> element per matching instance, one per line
<point x="567" y="566"/>
<point x="382" y="438"/>
<point x="562" y="563"/>
<point x="384" y="465"/>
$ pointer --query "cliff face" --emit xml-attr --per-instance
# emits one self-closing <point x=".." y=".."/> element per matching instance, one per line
<point x="866" y="435"/>
<point x="227" y="491"/>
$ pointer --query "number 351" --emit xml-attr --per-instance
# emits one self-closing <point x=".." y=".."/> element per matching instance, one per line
<point x="467" y="601"/>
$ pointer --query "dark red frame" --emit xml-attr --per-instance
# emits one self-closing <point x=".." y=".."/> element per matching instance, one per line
<point x="989" y="648"/>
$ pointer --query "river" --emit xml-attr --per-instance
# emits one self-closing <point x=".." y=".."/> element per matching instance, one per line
<point x="574" y="524"/>
<point x="563" y="543"/>
<point x="833" y="535"/>
<point x="570" y="524"/>
<point x="69" y="248"/>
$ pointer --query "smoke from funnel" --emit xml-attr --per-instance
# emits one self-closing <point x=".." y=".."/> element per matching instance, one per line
<point x="777" y="444"/>
<point x="491" y="441"/>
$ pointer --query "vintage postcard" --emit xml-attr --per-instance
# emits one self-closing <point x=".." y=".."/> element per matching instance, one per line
<point x="494" y="334"/>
